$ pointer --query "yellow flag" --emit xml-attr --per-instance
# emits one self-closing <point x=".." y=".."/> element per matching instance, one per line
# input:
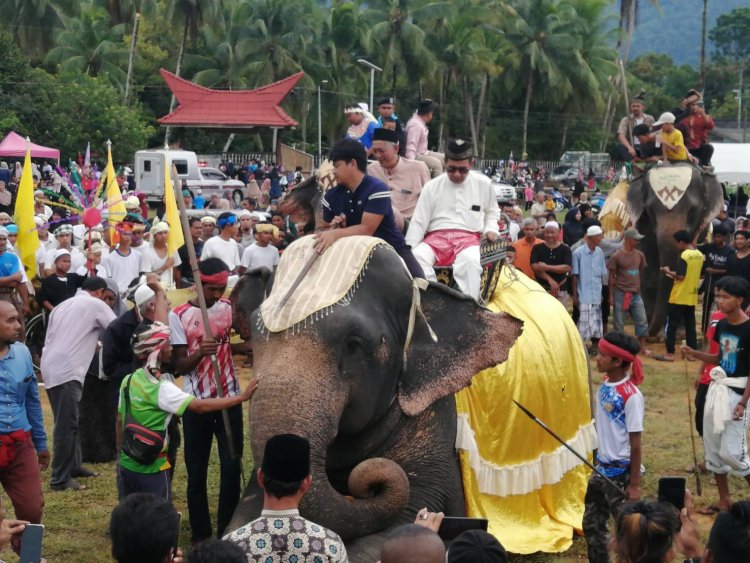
<point x="115" y="205"/>
<point x="175" y="238"/>
<point x="28" y="237"/>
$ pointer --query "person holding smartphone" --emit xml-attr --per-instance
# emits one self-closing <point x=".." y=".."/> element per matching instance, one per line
<point x="23" y="441"/>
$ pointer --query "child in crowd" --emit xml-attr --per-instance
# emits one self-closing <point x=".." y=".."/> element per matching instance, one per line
<point x="619" y="425"/>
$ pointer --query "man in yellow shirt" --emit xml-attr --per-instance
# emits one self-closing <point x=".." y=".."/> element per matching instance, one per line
<point x="684" y="296"/>
<point x="672" y="144"/>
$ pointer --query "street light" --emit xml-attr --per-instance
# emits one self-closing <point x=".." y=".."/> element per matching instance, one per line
<point x="372" y="68"/>
<point x="320" y="126"/>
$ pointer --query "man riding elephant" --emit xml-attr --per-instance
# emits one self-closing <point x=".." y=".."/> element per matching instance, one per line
<point x="454" y="211"/>
<point x="666" y="199"/>
<point x="363" y="361"/>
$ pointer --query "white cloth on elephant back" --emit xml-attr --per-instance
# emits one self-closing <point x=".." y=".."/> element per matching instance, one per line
<point x="670" y="182"/>
<point x="333" y="277"/>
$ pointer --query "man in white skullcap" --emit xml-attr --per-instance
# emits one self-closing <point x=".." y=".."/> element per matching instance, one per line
<point x="155" y="257"/>
<point x="64" y="236"/>
<point x="589" y="276"/>
<point x="552" y="263"/>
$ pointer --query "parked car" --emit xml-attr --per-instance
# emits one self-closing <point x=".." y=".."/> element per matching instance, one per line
<point x="565" y="175"/>
<point x="149" y="175"/>
<point x="503" y="190"/>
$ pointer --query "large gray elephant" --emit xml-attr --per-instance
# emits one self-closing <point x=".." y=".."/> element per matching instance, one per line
<point x="682" y="197"/>
<point x="381" y="422"/>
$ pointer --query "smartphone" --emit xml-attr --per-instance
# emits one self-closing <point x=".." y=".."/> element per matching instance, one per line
<point x="672" y="490"/>
<point x="31" y="543"/>
<point x="453" y="526"/>
<point x="177" y="535"/>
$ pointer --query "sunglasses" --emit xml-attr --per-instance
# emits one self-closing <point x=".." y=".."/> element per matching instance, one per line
<point x="463" y="170"/>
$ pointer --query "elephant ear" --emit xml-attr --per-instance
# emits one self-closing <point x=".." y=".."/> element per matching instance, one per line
<point x="714" y="197"/>
<point x="636" y="203"/>
<point x="247" y="295"/>
<point x="470" y="338"/>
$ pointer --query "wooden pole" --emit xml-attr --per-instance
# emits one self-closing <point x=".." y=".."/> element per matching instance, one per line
<point x="202" y="304"/>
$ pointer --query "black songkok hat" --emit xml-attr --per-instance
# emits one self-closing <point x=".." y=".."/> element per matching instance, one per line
<point x="476" y="546"/>
<point x="459" y="149"/>
<point x="383" y="134"/>
<point x="425" y="106"/>
<point x="287" y="458"/>
<point x="387" y="101"/>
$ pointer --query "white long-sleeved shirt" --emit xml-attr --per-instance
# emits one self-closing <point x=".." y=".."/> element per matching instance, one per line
<point x="469" y="206"/>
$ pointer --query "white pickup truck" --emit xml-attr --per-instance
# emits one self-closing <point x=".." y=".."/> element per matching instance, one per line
<point x="149" y="176"/>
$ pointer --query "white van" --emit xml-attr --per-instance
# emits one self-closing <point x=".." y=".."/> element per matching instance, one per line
<point x="149" y="176"/>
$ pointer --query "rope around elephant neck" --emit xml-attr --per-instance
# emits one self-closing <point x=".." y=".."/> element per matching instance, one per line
<point x="417" y="285"/>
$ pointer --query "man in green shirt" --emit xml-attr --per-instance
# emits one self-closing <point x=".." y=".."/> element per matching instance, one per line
<point x="153" y="400"/>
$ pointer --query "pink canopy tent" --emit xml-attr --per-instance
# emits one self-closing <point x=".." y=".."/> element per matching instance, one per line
<point x="15" y="145"/>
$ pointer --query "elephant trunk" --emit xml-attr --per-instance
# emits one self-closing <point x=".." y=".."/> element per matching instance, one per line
<point x="379" y="487"/>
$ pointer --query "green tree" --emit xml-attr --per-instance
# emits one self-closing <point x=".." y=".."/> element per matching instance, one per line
<point x="90" y="44"/>
<point x="89" y="109"/>
<point x="731" y="35"/>
<point x="542" y="38"/>
<point x="33" y="22"/>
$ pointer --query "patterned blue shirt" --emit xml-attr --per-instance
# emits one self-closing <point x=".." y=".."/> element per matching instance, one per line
<point x="371" y="196"/>
<point x="20" y="408"/>
<point x="591" y="270"/>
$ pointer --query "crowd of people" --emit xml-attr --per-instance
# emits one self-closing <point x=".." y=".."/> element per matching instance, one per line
<point x="436" y="211"/>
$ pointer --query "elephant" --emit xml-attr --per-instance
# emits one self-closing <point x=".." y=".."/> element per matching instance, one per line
<point x="381" y="376"/>
<point x="682" y="196"/>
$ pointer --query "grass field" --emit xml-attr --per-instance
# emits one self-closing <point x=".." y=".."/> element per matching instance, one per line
<point x="76" y="522"/>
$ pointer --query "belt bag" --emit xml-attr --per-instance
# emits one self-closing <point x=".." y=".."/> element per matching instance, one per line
<point x="8" y="445"/>
<point x="141" y="444"/>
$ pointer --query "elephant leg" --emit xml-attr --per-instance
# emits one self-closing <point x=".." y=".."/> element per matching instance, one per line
<point x="250" y="505"/>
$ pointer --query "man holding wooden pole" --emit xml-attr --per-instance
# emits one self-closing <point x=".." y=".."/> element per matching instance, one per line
<point x="201" y="331"/>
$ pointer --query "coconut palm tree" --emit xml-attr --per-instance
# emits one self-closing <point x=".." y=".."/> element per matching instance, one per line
<point x="543" y="39"/>
<point x="33" y="22"/>
<point x="90" y="44"/>
<point x="397" y="36"/>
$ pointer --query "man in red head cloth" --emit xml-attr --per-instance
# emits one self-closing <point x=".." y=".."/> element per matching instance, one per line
<point x="619" y="424"/>
<point x="192" y="359"/>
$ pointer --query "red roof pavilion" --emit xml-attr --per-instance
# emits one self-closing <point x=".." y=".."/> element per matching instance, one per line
<point x="230" y="109"/>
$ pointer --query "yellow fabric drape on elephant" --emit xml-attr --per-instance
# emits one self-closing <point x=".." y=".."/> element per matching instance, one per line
<point x="528" y="486"/>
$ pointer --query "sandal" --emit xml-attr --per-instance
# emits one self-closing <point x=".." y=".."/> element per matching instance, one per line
<point x="69" y="485"/>
<point x="663" y="358"/>
<point x="712" y="510"/>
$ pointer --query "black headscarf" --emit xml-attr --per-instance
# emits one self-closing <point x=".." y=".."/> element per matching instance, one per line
<point x="572" y="228"/>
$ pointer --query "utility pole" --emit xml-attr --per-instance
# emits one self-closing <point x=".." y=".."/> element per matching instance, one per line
<point x="133" y="40"/>
<point x="320" y="125"/>
<point x="372" y="68"/>
<point x="703" y="45"/>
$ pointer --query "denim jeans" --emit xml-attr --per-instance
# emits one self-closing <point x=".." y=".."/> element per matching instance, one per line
<point x="637" y="310"/>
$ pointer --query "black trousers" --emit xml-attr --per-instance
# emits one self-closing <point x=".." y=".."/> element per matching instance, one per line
<point x="700" y="405"/>
<point x="703" y="154"/>
<point x="676" y="315"/>
<point x="199" y="431"/>
<point x="411" y="263"/>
